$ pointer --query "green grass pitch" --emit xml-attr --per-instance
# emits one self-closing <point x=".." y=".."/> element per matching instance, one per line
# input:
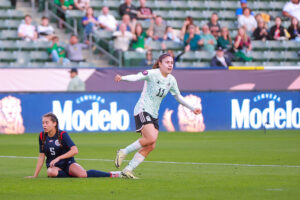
<point x="204" y="167"/>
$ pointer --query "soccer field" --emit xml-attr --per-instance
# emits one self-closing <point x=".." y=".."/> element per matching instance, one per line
<point x="210" y="165"/>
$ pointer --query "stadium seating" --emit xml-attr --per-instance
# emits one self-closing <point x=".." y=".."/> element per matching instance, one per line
<point x="173" y="12"/>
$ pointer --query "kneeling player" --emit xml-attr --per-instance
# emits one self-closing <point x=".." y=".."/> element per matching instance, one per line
<point x="60" y="150"/>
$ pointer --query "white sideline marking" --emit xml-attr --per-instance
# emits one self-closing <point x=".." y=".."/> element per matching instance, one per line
<point x="168" y="162"/>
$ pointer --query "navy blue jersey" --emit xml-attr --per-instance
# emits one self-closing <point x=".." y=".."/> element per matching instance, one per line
<point x="53" y="149"/>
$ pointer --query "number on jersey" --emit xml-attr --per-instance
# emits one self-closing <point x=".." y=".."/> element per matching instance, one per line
<point x="160" y="92"/>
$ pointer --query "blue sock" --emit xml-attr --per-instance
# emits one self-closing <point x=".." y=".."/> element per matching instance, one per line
<point x="96" y="173"/>
<point x="62" y="174"/>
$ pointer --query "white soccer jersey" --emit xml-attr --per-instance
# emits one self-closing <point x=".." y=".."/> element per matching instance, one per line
<point x="156" y="87"/>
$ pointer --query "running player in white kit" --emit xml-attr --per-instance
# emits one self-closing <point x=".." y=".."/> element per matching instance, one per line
<point x="158" y="82"/>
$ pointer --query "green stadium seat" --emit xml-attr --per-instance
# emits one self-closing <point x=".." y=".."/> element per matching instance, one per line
<point x="173" y="45"/>
<point x="290" y="56"/>
<point x="291" y="45"/>
<point x="24" y="45"/>
<point x="288" y="64"/>
<point x="163" y="13"/>
<point x="6" y="56"/>
<point x="274" y="45"/>
<point x="259" y="45"/>
<point x="145" y="23"/>
<point x="133" y="58"/>
<point x="42" y="45"/>
<point x="12" y="24"/>
<point x="161" y="5"/>
<point x="177" y="24"/>
<point x="8" y="45"/>
<point x="177" y="14"/>
<point x="230" y="5"/>
<point x="201" y="64"/>
<point x="5" y="5"/>
<point x="103" y="34"/>
<point x="196" y="5"/>
<point x="204" y="56"/>
<point x="154" y="45"/>
<point x="184" y="64"/>
<point x="9" y="35"/>
<point x="22" y="57"/>
<point x="41" y="56"/>
<point x="189" y="56"/>
<point x="258" y="56"/>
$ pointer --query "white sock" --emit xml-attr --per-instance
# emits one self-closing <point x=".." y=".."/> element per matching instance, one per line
<point x="115" y="174"/>
<point x="136" y="160"/>
<point x="132" y="147"/>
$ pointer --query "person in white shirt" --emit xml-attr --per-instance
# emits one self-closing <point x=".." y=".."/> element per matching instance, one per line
<point x="107" y="21"/>
<point x="247" y="21"/>
<point x="122" y="38"/>
<point x="292" y="9"/>
<point x="82" y="4"/>
<point x="45" y="31"/>
<point x="27" y="31"/>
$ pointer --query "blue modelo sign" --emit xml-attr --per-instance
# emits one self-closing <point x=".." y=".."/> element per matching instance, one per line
<point x="106" y="112"/>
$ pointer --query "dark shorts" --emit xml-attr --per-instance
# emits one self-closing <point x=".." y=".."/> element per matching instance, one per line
<point x="64" y="166"/>
<point x="144" y="118"/>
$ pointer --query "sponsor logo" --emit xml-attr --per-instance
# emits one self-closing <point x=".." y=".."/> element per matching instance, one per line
<point x="265" y="110"/>
<point x="97" y="118"/>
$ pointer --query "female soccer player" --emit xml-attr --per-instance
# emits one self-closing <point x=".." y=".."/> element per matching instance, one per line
<point x="60" y="150"/>
<point x="158" y="82"/>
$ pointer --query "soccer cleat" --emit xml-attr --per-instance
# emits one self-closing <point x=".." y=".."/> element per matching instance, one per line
<point x="119" y="158"/>
<point x="128" y="174"/>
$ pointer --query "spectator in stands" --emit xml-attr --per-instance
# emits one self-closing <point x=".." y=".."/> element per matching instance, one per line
<point x="128" y="8"/>
<point x="65" y="5"/>
<point x="130" y="25"/>
<point x="82" y="5"/>
<point x="244" y="5"/>
<point x="219" y="60"/>
<point x="107" y="21"/>
<point x="122" y="38"/>
<point x="294" y="30"/>
<point x="89" y="22"/>
<point x="242" y="45"/>
<point x="26" y="30"/>
<point x="144" y="12"/>
<point x="138" y="40"/>
<point x="277" y="32"/>
<point x="76" y="84"/>
<point x="214" y="25"/>
<point x="247" y="21"/>
<point x="57" y="53"/>
<point x="191" y="39"/>
<point x="208" y="41"/>
<point x="292" y="9"/>
<point x="149" y="61"/>
<point x="225" y="42"/>
<point x="157" y="29"/>
<point x="261" y="32"/>
<point x="171" y="35"/>
<point x="45" y="31"/>
<point x="188" y="20"/>
<point x="74" y="49"/>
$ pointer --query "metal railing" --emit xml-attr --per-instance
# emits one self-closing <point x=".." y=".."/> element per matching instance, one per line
<point x="73" y="29"/>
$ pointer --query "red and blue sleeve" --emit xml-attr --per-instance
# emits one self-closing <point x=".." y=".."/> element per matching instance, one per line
<point x="66" y="139"/>
<point x="40" y="142"/>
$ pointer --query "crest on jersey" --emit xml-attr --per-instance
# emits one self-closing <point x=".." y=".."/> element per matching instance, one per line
<point x="148" y="118"/>
<point x="145" y="72"/>
<point x="57" y="143"/>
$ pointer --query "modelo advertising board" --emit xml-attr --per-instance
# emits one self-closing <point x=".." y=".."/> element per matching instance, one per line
<point x="108" y="111"/>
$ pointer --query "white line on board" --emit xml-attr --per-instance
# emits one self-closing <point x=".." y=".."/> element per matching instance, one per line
<point x="169" y="162"/>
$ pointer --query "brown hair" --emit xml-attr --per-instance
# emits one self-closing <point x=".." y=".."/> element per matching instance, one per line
<point x="159" y="60"/>
<point x="53" y="118"/>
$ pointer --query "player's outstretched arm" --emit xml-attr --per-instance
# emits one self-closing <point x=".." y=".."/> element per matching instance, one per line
<point x="182" y="101"/>
<point x="132" y="77"/>
<point x="39" y="166"/>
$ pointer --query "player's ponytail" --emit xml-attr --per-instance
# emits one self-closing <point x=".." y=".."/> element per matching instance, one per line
<point x="159" y="60"/>
<point x="53" y="118"/>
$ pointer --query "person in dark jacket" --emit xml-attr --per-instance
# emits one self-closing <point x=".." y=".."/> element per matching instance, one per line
<point x="294" y="29"/>
<point x="261" y="32"/>
<point x="277" y="31"/>
<point x="219" y="60"/>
